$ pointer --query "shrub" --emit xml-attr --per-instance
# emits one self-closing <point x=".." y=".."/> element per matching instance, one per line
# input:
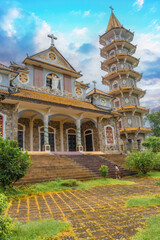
<point x="140" y="161"/>
<point x="70" y="183"/>
<point x="152" y="143"/>
<point x="103" y="170"/>
<point x="5" y="221"/>
<point x="13" y="162"/>
<point x="3" y="203"/>
<point x="157" y="162"/>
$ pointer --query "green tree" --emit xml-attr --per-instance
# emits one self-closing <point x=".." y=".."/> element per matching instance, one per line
<point x="140" y="161"/>
<point x="13" y="162"/>
<point x="154" y="120"/>
<point x="152" y="143"/>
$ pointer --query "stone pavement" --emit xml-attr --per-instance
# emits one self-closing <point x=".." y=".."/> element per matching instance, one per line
<point x="98" y="213"/>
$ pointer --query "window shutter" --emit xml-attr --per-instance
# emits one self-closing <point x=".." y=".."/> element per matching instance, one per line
<point x="38" y="76"/>
<point x="67" y="83"/>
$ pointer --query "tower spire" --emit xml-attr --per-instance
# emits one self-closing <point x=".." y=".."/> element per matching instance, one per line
<point x="113" y="21"/>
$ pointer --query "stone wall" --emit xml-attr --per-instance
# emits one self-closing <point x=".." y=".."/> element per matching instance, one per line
<point x="11" y="124"/>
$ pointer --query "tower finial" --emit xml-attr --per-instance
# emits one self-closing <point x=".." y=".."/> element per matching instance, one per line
<point x="52" y="39"/>
<point x="111" y="8"/>
<point x="94" y="82"/>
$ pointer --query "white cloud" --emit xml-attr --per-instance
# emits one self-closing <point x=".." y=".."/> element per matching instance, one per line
<point x="80" y="32"/>
<point x="75" y="12"/>
<point x="87" y="13"/>
<point x="40" y="39"/>
<point x="8" y="21"/>
<point x="139" y="4"/>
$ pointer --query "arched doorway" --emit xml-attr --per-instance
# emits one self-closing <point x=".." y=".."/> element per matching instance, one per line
<point x="21" y="136"/>
<point x="88" y="134"/>
<point x="71" y="139"/>
<point x="51" y="136"/>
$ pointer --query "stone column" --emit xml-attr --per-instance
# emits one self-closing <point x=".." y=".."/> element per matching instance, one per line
<point x="46" y="146"/>
<point x="79" y="144"/>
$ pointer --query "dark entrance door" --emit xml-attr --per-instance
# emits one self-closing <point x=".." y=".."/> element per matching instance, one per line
<point x="20" y="139"/>
<point x="72" y="142"/>
<point x="130" y="145"/>
<point x="139" y="144"/>
<point x="51" y="141"/>
<point x="89" y="143"/>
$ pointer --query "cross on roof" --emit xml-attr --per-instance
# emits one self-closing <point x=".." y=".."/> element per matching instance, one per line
<point x="52" y="39"/>
<point x="111" y="8"/>
<point x="94" y="82"/>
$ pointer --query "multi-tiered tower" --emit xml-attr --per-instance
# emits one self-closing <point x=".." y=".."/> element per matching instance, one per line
<point x="122" y="81"/>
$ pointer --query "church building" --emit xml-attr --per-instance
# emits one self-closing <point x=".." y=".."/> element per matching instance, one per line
<point x="45" y="107"/>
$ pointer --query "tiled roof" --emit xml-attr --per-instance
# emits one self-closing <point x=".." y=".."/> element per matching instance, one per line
<point x="132" y="107"/>
<point x="135" y="129"/>
<point x="44" y="98"/>
<point x="94" y="91"/>
<point x="5" y="68"/>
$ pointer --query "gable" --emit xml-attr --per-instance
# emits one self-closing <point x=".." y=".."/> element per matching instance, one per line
<point x="53" y="56"/>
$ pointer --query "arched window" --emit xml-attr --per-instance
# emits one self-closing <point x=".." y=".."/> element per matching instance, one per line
<point x="115" y="85"/>
<point x="117" y="103"/>
<point x="1" y="125"/>
<point x="53" y="81"/>
<point x="131" y="82"/>
<point x="113" y="67"/>
<point x="134" y="100"/>
<point x="120" y="124"/>
<point x="21" y="136"/>
<point x="109" y="132"/>
<point x="111" y="53"/>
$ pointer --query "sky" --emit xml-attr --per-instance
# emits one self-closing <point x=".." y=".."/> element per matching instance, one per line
<point x="25" y="24"/>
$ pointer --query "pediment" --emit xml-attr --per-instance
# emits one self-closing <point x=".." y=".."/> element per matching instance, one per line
<point x="53" y="56"/>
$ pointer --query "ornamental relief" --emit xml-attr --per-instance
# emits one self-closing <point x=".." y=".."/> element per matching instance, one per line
<point x="23" y="78"/>
<point x="78" y="91"/>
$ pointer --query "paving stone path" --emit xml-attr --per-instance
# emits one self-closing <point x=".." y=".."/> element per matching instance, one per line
<point x="98" y="213"/>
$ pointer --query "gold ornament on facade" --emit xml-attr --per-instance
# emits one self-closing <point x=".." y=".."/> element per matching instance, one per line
<point x="23" y="78"/>
<point x="43" y="57"/>
<point x="79" y="91"/>
<point x="60" y="62"/>
<point x="52" y="56"/>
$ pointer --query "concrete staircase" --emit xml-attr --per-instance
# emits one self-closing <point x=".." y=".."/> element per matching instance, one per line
<point x="94" y="162"/>
<point x="47" y="167"/>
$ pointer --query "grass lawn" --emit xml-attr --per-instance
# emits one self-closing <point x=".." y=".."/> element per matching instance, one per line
<point x="27" y="190"/>
<point x="151" y="232"/>
<point x="38" y="230"/>
<point x="152" y="174"/>
<point x="144" y="201"/>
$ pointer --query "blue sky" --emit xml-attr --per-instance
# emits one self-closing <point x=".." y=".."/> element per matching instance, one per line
<point x="24" y="26"/>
